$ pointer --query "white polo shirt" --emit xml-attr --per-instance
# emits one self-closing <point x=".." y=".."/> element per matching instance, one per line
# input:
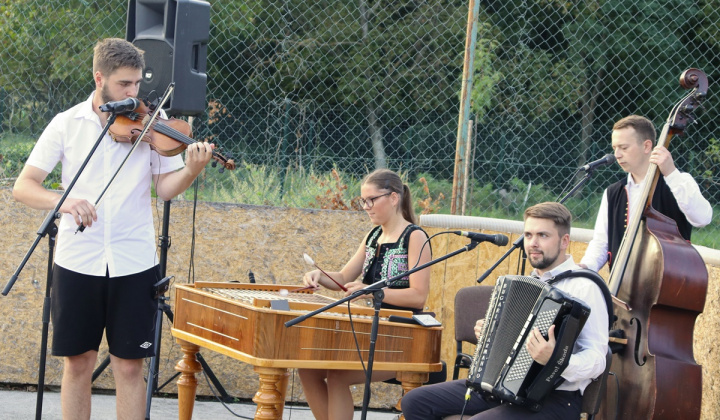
<point x="122" y="240"/>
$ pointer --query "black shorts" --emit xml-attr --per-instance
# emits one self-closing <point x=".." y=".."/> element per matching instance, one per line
<point x="84" y="306"/>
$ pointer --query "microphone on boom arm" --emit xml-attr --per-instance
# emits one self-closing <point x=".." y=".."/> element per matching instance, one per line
<point x="498" y="239"/>
<point x="606" y="160"/>
<point x="128" y="104"/>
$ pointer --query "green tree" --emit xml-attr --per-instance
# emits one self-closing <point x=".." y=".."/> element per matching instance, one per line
<point x="584" y="65"/>
<point x="387" y="59"/>
<point x="48" y="48"/>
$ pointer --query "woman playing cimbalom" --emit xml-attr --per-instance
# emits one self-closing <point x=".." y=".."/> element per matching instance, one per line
<point x="389" y="249"/>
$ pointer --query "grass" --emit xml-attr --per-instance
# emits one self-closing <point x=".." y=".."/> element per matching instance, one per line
<point x="14" y="151"/>
<point x="336" y="190"/>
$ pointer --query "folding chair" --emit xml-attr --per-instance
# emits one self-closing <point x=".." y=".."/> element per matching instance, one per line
<point x="471" y="304"/>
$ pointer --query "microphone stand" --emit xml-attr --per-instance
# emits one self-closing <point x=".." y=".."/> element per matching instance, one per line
<point x="519" y="242"/>
<point x="378" y="294"/>
<point x="48" y="227"/>
<point x="164" y="308"/>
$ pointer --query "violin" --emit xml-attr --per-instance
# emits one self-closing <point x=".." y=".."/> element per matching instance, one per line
<point x="168" y="137"/>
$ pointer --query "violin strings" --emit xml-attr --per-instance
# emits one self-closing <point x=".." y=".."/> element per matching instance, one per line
<point x="169" y="131"/>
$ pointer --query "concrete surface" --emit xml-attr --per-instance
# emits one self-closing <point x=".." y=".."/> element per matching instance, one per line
<point x="22" y="405"/>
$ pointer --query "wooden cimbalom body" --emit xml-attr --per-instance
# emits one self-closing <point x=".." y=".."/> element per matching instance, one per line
<point x="241" y="320"/>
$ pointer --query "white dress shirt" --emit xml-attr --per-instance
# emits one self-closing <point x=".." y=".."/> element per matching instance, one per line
<point x="588" y="356"/>
<point x="122" y="240"/>
<point x="696" y="208"/>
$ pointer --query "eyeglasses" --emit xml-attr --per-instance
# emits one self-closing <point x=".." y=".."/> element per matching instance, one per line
<point x="370" y="202"/>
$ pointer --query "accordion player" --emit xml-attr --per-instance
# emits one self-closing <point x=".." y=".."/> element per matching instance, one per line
<point x="502" y="366"/>
<point x="546" y="237"/>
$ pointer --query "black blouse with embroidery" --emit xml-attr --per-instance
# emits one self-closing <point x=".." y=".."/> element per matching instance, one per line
<point x="387" y="261"/>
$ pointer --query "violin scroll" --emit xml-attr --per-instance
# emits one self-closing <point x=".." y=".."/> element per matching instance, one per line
<point x="226" y="162"/>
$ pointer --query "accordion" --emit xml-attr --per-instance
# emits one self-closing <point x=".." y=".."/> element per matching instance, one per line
<point x="502" y="366"/>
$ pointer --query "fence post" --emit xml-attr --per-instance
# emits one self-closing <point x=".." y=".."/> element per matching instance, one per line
<point x="468" y="70"/>
<point x="3" y="94"/>
<point x="284" y="146"/>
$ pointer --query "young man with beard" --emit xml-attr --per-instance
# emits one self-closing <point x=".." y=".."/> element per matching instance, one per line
<point x="547" y="237"/>
<point x="103" y="277"/>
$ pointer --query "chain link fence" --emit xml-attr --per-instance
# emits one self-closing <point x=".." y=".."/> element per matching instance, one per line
<point x="308" y="96"/>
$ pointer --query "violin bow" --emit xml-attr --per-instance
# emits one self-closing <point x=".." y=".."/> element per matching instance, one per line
<point x="147" y="126"/>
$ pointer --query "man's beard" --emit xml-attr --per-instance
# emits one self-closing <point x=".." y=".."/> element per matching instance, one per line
<point x="105" y="95"/>
<point x="545" y="262"/>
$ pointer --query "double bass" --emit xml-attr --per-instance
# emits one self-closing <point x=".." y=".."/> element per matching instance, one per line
<point x="663" y="282"/>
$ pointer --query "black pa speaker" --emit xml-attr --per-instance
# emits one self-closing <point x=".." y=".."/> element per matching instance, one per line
<point x="174" y="35"/>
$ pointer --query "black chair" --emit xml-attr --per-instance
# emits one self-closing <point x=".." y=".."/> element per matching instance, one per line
<point x="471" y="304"/>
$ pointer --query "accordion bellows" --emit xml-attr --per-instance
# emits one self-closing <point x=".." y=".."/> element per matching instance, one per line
<point x="502" y="367"/>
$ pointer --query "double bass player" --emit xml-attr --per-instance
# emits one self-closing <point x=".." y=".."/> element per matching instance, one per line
<point x="659" y="279"/>
<point x="677" y="195"/>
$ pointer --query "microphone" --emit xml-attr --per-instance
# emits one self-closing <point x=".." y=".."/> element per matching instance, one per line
<point x="129" y="104"/>
<point x="606" y="160"/>
<point x="498" y="239"/>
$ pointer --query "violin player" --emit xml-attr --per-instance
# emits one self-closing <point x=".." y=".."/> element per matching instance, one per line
<point x="103" y="277"/>
<point x="677" y="195"/>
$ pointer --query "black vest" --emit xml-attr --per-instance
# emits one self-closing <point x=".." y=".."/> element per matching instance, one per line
<point x="663" y="201"/>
